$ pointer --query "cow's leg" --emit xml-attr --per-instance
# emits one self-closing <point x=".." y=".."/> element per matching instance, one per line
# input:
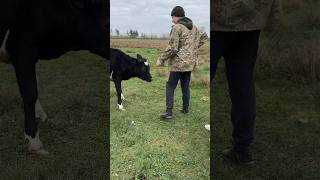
<point x="24" y="65"/>
<point x="122" y="97"/>
<point x="40" y="113"/>
<point x="117" y="83"/>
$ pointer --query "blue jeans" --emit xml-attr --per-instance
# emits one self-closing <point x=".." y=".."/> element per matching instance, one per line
<point x="174" y="78"/>
<point x="239" y="50"/>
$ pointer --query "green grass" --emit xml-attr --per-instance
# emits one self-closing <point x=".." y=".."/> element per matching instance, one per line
<point x="142" y="144"/>
<point x="287" y="131"/>
<point x="73" y="92"/>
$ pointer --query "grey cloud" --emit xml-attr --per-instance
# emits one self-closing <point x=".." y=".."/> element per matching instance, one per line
<point x="153" y="16"/>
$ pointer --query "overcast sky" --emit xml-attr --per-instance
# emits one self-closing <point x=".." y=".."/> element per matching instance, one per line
<point x="153" y="16"/>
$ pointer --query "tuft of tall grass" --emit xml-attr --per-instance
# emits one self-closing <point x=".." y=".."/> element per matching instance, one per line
<point x="291" y="5"/>
<point x="299" y="62"/>
<point x="311" y="16"/>
<point x="304" y="61"/>
<point x="162" y="72"/>
<point x="293" y="50"/>
<point x="202" y="81"/>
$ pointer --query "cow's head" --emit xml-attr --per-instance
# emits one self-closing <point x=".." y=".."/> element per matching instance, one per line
<point x="142" y="69"/>
<point x="91" y="23"/>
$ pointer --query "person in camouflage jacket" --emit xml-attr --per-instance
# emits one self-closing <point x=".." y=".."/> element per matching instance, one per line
<point x="245" y="15"/>
<point x="181" y="53"/>
<point x="235" y="32"/>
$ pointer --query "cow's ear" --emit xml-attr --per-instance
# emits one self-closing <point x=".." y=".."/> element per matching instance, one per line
<point x="78" y="4"/>
<point x="139" y="57"/>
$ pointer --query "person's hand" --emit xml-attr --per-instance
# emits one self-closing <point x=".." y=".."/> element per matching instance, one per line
<point x="195" y="69"/>
<point x="158" y="63"/>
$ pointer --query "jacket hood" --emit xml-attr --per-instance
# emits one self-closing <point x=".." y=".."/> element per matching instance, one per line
<point x="186" y="22"/>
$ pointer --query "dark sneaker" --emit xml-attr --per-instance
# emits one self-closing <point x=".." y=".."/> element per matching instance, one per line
<point x="241" y="158"/>
<point x="184" y="111"/>
<point x="166" y="115"/>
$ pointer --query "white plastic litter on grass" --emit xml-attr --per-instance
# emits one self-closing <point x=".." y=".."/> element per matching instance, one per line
<point x="207" y="126"/>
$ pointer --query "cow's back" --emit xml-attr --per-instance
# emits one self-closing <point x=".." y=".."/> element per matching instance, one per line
<point x="115" y="58"/>
<point x="52" y="26"/>
<point x="120" y="62"/>
<point x="8" y="14"/>
<point x="8" y="11"/>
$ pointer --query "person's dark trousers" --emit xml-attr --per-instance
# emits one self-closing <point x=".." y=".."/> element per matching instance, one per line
<point x="239" y="50"/>
<point x="173" y="80"/>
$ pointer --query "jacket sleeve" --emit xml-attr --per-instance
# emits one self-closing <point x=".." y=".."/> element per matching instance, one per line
<point x="173" y="47"/>
<point x="274" y="19"/>
<point x="203" y="38"/>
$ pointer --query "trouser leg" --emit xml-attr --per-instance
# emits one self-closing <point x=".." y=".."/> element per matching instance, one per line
<point x="185" y="88"/>
<point x="171" y="86"/>
<point x="240" y="62"/>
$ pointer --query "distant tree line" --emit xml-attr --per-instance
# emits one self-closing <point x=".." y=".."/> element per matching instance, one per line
<point x="132" y="33"/>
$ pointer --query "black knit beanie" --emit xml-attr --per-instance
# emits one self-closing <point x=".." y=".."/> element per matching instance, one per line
<point x="178" y="11"/>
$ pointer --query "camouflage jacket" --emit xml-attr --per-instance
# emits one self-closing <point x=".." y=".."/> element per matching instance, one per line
<point x="245" y="15"/>
<point x="185" y="40"/>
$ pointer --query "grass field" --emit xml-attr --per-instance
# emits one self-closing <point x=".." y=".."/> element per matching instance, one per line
<point x="73" y="92"/>
<point x="287" y="131"/>
<point x="144" y="146"/>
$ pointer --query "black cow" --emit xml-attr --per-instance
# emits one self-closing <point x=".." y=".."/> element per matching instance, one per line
<point x="124" y="67"/>
<point x="46" y="29"/>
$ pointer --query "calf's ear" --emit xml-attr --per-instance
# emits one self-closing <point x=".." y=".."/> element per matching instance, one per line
<point x="139" y="57"/>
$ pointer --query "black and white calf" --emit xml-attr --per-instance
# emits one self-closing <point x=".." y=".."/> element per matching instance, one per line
<point x="46" y="29"/>
<point x="124" y="67"/>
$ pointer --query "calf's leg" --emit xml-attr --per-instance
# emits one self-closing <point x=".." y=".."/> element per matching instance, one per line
<point x="122" y="97"/>
<point x="24" y="65"/>
<point x="117" y="83"/>
<point x="40" y="113"/>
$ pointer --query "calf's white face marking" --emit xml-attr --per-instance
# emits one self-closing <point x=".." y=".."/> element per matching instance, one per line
<point x="146" y="63"/>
